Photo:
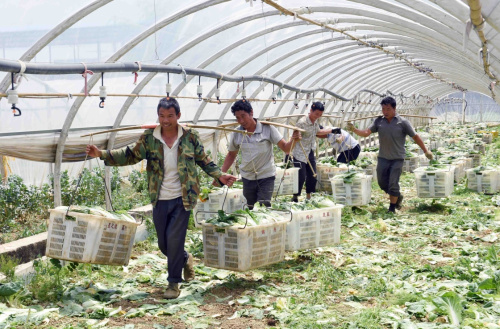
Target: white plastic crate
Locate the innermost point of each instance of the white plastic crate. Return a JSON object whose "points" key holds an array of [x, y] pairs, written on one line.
{"points": [[324, 174], [467, 162], [357, 193], [423, 161], [485, 181], [459, 172], [370, 155], [242, 249], [487, 138], [313, 228], [217, 201], [290, 184], [89, 238], [370, 170], [434, 183], [481, 148], [476, 160], [410, 164]]}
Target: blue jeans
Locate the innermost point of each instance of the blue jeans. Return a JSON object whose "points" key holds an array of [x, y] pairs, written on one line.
{"points": [[171, 222]]}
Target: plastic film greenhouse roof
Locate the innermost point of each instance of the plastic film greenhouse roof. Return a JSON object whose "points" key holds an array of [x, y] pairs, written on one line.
{"points": [[407, 48]]}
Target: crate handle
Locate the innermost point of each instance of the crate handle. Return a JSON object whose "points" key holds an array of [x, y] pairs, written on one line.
{"points": [[203, 212], [141, 214]]}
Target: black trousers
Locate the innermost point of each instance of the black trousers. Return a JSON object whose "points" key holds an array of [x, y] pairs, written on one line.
{"points": [[306, 174], [171, 222], [260, 190], [349, 155], [388, 174]]}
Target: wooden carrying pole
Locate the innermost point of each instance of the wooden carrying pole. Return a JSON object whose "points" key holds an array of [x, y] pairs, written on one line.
{"points": [[152, 126], [403, 115], [265, 123]]}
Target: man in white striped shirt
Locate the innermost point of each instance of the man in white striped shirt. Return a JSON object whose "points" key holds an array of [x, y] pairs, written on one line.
{"points": [[346, 147]]}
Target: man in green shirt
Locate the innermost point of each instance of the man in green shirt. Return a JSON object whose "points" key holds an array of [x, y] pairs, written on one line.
{"points": [[172, 153]]}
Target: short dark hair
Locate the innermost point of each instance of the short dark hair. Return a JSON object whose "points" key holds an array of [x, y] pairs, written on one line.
{"points": [[241, 105], [317, 106], [389, 101], [167, 103]]}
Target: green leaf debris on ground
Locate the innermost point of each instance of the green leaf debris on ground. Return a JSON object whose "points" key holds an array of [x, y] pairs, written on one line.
{"points": [[435, 264]]}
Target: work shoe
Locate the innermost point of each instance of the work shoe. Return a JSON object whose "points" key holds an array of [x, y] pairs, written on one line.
{"points": [[295, 199], [172, 291], [189, 269], [399, 202]]}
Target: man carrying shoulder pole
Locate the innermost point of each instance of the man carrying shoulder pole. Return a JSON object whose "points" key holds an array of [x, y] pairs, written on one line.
{"points": [[392, 131]]}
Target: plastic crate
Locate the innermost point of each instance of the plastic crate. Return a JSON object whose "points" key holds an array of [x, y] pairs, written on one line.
{"points": [[357, 193], [481, 148], [324, 174], [370, 155], [242, 249], [434, 184], [476, 160], [487, 138], [423, 161], [485, 181], [410, 164], [313, 228], [88, 238], [290, 184], [234, 200], [459, 172]]}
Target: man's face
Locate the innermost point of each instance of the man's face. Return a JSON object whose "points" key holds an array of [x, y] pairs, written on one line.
{"points": [[244, 118], [388, 111], [315, 115], [168, 118]]}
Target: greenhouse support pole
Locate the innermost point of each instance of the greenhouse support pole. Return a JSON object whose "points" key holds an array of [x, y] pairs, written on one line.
{"points": [[107, 186], [480, 108], [463, 108], [3, 169]]}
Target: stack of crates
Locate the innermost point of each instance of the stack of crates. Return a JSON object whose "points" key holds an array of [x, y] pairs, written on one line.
{"points": [[86, 238], [355, 193], [313, 228], [434, 182], [410, 164], [242, 249], [324, 173], [290, 184], [234, 200], [483, 180]]}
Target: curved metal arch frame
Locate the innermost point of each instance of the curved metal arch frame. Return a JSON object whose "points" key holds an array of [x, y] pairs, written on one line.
{"points": [[376, 58], [226, 109], [54, 33], [79, 101], [80, 104]]}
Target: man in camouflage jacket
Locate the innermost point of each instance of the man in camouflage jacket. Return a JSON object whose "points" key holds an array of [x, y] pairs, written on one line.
{"points": [[172, 153]]}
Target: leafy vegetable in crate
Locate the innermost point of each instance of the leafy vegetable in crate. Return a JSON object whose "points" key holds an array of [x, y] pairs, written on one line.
{"points": [[332, 161], [98, 211], [258, 216], [348, 177]]}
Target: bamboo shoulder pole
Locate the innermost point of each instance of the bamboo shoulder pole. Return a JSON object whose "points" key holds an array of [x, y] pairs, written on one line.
{"points": [[265, 123], [282, 125], [152, 126]]}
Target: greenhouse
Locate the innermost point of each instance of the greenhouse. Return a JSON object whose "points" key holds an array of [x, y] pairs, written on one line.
{"points": [[250, 164]]}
